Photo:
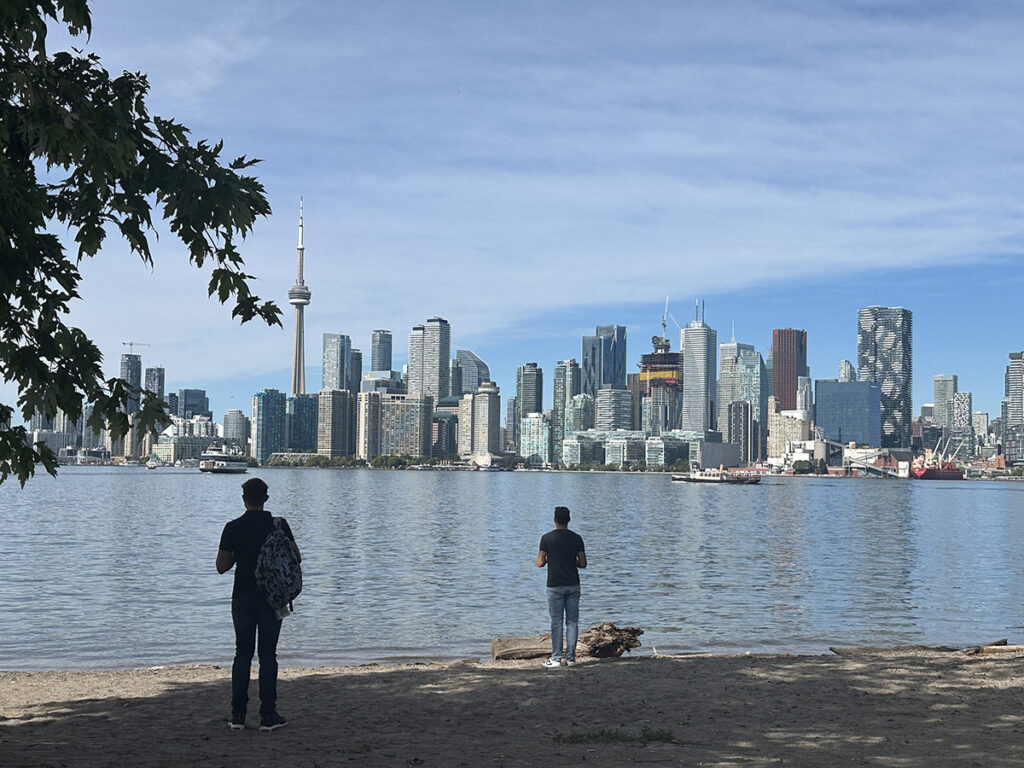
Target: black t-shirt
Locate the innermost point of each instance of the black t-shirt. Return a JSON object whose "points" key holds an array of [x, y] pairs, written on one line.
{"points": [[562, 546], [244, 536]]}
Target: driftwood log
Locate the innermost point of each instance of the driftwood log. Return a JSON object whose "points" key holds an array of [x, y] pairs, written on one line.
{"points": [[600, 641]]}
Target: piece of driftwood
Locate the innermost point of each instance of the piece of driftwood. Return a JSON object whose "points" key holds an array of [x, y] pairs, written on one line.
{"points": [[600, 641], [868, 650], [1001, 649]]}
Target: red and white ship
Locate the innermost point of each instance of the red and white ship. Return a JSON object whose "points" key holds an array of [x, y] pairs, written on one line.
{"points": [[935, 466]]}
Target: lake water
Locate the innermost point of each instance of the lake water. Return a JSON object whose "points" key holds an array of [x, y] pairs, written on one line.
{"points": [[114, 567]]}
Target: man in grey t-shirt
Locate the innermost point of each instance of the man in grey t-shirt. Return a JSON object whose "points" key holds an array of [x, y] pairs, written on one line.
{"points": [[561, 550]]}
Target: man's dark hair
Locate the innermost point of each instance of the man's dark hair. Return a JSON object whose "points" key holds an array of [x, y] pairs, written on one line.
{"points": [[562, 515], [254, 491]]}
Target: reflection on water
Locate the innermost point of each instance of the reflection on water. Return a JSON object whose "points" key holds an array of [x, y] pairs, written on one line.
{"points": [[114, 567]]}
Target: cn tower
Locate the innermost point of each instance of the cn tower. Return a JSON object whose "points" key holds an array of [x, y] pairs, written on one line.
{"points": [[298, 297]]}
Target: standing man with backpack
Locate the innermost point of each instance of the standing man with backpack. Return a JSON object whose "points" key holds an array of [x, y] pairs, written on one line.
{"points": [[253, 615], [561, 550]]}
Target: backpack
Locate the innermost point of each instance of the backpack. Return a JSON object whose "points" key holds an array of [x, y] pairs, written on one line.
{"points": [[278, 573]]}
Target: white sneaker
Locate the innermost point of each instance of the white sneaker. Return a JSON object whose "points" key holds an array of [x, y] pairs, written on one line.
{"points": [[570, 663], [552, 663]]}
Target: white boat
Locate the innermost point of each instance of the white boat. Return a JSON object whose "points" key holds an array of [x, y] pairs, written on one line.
{"points": [[222, 461], [719, 476]]}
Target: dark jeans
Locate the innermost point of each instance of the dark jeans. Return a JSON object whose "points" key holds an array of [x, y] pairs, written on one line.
{"points": [[252, 616]]}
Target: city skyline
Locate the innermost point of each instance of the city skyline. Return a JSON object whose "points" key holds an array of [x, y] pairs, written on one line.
{"points": [[763, 188]]}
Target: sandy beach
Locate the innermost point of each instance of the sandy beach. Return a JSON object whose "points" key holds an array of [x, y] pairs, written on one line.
{"points": [[884, 709]]}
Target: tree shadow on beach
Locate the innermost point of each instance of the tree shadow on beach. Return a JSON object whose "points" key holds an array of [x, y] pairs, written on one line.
{"points": [[905, 710]]}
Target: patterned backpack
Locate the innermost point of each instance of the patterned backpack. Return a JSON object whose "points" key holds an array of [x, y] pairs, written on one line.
{"points": [[278, 572]]}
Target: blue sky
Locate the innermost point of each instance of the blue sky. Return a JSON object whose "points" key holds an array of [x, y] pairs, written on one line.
{"points": [[529, 170]]}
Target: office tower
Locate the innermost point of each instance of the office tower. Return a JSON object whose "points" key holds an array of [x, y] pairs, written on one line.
{"points": [[368, 425], [579, 414], [849, 411], [603, 357], [335, 423], [405, 425], [789, 362], [474, 370], [172, 403], [337, 361], [454, 378], [236, 427], [443, 426], [155, 381], [1013, 415], [979, 420], [699, 345], [535, 440], [355, 370], [804, 397], [754, 385], [730, 380], [743, 430], [193, 402], [529, 394], [613, 408], [39, 421], [945, 385], [302, 423], [885, 355], [131, 372], [380, 350], [511, 435], [298, 297], [429, 352], [268, 420], [846, 371], [660, 381], [565, 386]]}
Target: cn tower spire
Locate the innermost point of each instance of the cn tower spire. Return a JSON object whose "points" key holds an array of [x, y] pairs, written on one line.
{"points": [[298, 297]]}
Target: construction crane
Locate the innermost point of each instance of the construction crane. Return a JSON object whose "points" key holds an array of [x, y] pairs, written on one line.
{"points": [[131, 344]]}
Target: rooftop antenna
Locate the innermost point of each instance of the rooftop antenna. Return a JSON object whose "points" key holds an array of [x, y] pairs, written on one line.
{"points": [[733, 331], [696, 309], [664, 325]]}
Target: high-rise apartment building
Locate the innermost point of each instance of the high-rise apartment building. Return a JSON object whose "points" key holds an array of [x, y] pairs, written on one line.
{"points": [[511, 417], [535, 440], [298, 297], [405, 425], [155, 381], [565, 386], [603, 358], [368, 425], [474, 370], [193, 402], [1013, 401], [945, 385], [337, 361], [335, 434], [131, 372], [529, 393], [455, 378], [613, 408], [487, 419], [268, 423], [236, 428], [429, 353], [380, 350], [355, 370], [885, 355], [699, 344], [789, 362], [846, 371], [301, 423], [579, 414]]}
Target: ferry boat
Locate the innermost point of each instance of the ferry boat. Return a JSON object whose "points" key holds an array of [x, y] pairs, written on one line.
{"points": [[719, 476], [222, 461]]}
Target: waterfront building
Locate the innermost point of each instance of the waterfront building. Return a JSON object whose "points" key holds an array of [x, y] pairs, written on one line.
{"points": [[131, 372], [613, 408], [535, 440], [355, 371], [405, 425], [268, 423], [335, 423], [155, 381], [298, 297], [660, 380], [380, 350], [385, 382], [368, 425], [583, 448], [474, 370], [603, 358], [193, 402], [625, 448], [784, 428], [846, 372], [443, 427], [789, 362], [529, 394], [566, 385], [337, 361], [730, 379], [699, 344], [579, 414], [454, 378], [849, 411], [945, 387], [1013, 402], [885, 347], [429, 353], [302, 423], [236, 428], [665, 450]]}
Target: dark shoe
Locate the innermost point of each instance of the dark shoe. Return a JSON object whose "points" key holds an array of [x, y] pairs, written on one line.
{"points": [[237, 721], [272, 722]]}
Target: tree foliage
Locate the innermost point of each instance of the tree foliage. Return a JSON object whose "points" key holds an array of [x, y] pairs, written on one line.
{"points": [[80, 152]]}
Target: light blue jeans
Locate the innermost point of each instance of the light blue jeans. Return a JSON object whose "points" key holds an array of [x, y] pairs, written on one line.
{"points": [[564, 603]]}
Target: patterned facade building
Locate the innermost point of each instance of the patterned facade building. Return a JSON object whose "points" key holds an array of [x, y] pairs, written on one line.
{"points": [[885, 355]]}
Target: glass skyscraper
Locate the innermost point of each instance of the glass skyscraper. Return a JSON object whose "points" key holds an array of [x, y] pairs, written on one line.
{"points": [[474, 370], [380, 350], [603, 357], [131, 372], [699, 344], [849, 411], [269, 407], [885, 355], [337, 361]]}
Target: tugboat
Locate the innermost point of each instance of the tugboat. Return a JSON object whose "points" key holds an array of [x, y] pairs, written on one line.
{"points": [[935, 466], [222, 461]]}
